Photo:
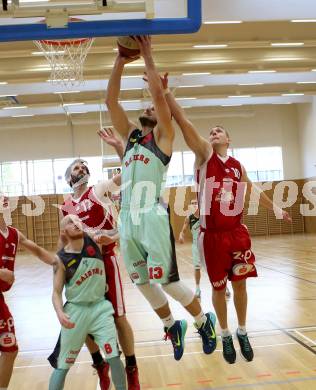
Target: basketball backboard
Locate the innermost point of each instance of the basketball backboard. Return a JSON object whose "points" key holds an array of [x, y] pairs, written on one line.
{"points": [[22, 20]]}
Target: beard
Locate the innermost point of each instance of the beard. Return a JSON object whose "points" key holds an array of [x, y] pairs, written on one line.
{"points": [[75, 235], [79, 179], [145, 121]]}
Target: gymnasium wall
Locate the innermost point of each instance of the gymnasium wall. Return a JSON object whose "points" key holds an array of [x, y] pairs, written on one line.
{"points": [[44, 226], [307, 137], [255, 126]]}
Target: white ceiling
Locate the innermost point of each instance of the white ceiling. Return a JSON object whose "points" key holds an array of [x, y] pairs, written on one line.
{"points": [[248, 49]]}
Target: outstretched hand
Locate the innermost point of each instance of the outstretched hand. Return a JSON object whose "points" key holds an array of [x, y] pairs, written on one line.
{"points": [[164, 79], [286, 216], [109, 136], [126, 60], [144, 43]]}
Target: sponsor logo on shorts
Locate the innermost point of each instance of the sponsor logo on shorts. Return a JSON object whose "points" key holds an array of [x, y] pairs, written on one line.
{"points": [[220, 283], [7, 340], [135, 276], [140, 263], [242, 269], [7, 323], [70, 360]]}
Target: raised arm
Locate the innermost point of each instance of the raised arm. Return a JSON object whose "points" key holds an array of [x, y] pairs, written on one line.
{"points": [[36, 250], [118, 115], [199, 145], [108, 136], [264, 200], [59, 282], [165, 130], [184, 229]]}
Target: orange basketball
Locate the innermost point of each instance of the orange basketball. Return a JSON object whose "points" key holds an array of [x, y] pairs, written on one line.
{"points": [[128, 46]]}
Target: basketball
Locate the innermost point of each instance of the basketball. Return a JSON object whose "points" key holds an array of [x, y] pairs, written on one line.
{"points": [[127, 46]]}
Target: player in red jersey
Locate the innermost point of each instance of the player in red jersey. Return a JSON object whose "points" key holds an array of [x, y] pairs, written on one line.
{"points": [[224, 242], [95, 210], [10, 239]]}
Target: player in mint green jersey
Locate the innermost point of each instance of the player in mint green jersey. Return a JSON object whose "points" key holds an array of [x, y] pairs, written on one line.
{"points": [[192, 221], [146, 237], [80, 270]]}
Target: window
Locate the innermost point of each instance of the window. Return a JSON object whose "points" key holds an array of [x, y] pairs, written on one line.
{"points": [[175, 171], [188, 168], [35, 177], [261, 164]]}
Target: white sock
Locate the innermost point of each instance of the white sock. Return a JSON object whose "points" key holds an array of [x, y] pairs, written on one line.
{"points": [[168, 321], [200, 319], [225, 332], [241, 330]]}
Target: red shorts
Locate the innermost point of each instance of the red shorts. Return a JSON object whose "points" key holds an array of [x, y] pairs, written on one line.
{"points": [[227, 255], [8, 341], [114, 282]]}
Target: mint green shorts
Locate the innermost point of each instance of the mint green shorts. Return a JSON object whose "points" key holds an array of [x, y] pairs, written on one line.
{"points": [[196, 260], [148, 246], [95, 319]]}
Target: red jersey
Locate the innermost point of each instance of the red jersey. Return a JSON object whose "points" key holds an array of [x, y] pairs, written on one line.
{"points": [[220, 193], [91, 212], [8, 248]]}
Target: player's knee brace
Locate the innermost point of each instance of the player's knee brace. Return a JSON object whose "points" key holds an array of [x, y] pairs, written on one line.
{"points": [[180, 292], [154, 295]]}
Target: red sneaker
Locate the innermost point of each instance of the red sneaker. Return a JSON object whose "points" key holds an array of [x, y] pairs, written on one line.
{"points": [[132, 378], [103, 373]]}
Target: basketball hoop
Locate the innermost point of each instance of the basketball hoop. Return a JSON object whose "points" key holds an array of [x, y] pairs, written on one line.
{"points": [[66, 58]]}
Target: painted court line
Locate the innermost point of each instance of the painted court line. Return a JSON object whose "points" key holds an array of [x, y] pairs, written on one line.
{"points": [[313, 343], [163, 355]]}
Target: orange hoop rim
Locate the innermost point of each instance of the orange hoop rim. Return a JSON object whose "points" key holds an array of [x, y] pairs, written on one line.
{"points": [[70, 42]]}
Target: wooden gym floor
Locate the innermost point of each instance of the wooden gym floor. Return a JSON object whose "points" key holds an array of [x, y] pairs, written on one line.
{"points": [[281, 325]]}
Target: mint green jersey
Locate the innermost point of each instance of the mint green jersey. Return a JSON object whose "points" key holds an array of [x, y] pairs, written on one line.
{"points": [[194, 227], [144, 170], [85, 273]]}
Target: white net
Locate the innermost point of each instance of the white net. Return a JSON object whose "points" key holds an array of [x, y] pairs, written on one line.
{"points": [[66, 59]]}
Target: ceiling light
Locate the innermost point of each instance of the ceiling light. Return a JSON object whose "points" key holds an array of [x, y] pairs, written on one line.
{"points": [[231, 105], [78, 112], [133, 65], [3, 83], [313, 70], [239, 96], [14, 107], [20, 116], [306, 82], [131, 89], [209, 46], [41, 53], [223, 22], [186, 98], [292, 94], [190, 86], [132, 77], [8, 95], [303, 21], [251, 84], [209, 62], [197, 74], [284, 59], [72, 104], [284, 44], [261, 71], [130, 101], [66, 92], [57, 80]]}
